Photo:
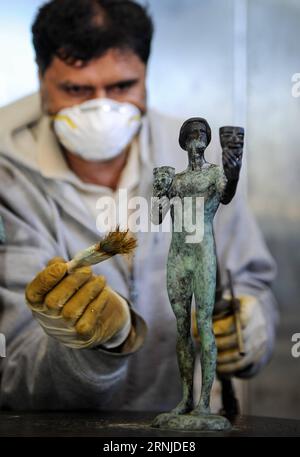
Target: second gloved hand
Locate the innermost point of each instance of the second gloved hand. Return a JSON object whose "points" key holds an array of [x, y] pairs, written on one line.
{"points": [[254, 331], [78, 309]]}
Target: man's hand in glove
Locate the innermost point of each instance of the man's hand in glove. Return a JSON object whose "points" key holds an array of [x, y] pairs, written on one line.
{"points": [[254, 331], [78, 309]]}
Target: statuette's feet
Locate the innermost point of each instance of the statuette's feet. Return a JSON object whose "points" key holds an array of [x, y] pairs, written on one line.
{"points": [[200, 410], [184, 407], [161, 420]]}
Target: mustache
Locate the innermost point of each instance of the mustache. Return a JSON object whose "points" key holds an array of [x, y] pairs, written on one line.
{"points": [[196, 143]]}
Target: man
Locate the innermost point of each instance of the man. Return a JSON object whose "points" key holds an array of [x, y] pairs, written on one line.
{"points": [[80, 342]]}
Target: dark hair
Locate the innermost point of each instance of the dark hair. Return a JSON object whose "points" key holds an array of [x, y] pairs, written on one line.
{"points": [[184, 130], [80, 30]]}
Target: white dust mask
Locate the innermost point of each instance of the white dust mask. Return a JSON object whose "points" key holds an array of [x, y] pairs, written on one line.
{"points": [[98, 129]]}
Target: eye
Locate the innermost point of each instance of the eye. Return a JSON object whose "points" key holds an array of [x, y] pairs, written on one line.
{"points": [[77, 91], [121, 87]]}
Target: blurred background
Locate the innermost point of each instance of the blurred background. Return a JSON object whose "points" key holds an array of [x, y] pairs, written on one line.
{"points": [[230, 61]]}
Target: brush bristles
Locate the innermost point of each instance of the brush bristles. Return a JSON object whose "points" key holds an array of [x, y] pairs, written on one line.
{"points": [[117, 242]]}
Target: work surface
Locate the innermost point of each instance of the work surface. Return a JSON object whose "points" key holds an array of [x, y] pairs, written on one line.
{"points": [[93, 424]]}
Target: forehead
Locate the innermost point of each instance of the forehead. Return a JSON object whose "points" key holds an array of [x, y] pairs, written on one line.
{"points": [[161, 170], [196, 125], [113, 66], [229, 129]]}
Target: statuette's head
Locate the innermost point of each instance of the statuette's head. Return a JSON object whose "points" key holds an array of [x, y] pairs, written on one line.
{"points": [[232, 137], [195, 134]]}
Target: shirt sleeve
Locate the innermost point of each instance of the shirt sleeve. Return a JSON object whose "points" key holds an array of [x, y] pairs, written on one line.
{"points": [[38, 371]]}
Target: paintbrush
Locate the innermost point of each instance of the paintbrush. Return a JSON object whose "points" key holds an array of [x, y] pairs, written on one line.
{"points": [[115, 242]]}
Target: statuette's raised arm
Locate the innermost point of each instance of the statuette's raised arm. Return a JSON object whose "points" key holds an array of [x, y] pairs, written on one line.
{"points": [[232, 142]]}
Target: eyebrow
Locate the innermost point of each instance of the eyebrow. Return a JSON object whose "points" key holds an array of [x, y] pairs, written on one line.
{"points": [[74, 84], [122, 82]]}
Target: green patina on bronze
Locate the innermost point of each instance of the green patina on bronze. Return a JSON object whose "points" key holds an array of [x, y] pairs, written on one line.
{"points": [[191, 270]]}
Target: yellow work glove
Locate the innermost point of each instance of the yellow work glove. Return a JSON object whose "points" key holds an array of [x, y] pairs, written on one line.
{"points": [[78, 309], [254, 331]]}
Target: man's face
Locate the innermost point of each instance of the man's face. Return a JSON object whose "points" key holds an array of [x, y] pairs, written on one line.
{"points": [[197, 132], [232, 137], [119, 75]]}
